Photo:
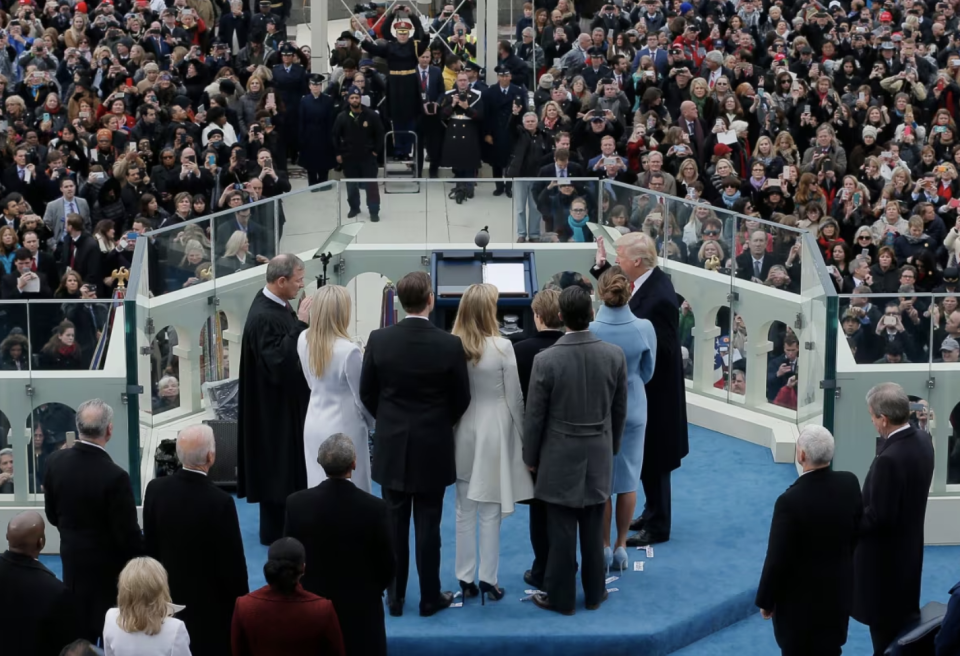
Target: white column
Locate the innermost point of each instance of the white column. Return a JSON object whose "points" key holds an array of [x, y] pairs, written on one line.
{"points": [[318, 36], [490, 17], [189, 363]]}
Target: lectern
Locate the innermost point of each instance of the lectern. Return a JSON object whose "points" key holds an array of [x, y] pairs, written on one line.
{"points": [[513, 272]]}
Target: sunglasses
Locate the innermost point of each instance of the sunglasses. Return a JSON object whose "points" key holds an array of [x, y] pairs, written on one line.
{"points": [[711, 233], [578, 209], [864, 237]]}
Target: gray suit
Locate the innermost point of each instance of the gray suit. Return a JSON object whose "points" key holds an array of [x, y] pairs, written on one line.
{"points": [[575, 415], [56, 213]]}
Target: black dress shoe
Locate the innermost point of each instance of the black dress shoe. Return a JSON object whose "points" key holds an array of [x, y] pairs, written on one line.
{"points": [[529, 580], [374, 216], [395, 607], [498, 191], [644, 538], [637, 523], [596, 606], [540, 600], [353, 213], [443, 601], [509, 192]]}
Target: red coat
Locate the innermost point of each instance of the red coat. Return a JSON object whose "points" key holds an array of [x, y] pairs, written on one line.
{"points": [[267, 623]]}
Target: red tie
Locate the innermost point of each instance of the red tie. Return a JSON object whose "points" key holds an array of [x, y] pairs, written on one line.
{"points": [[633, 286], [33, 264]]}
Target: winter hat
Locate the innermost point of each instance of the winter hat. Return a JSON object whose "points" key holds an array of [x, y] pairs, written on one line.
{"points": [[870, 131]]}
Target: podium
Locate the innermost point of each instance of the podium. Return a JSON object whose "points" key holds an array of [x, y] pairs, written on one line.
{"points": [[514, 272]]}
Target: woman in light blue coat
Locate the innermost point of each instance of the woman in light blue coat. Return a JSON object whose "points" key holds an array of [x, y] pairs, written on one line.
{"points": [[616, 324]]}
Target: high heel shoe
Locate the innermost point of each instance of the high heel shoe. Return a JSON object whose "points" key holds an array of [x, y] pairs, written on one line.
{"points": [[607, 559], [496, 594], [469, 589], [620, 559]]}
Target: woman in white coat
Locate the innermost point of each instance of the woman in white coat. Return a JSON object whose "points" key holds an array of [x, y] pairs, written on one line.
{"points": [[143, 622], [491, 476], [331, 365]]}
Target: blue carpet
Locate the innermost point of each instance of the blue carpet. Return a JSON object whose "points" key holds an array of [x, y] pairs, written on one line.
{"points": [[941, 571], [700, 582]]}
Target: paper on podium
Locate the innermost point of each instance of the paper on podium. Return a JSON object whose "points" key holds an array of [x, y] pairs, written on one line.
{"points": [[507, 277], [33, 285]]}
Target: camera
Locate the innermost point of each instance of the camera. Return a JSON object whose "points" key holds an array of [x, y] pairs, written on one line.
{"points": [[462, 96]]}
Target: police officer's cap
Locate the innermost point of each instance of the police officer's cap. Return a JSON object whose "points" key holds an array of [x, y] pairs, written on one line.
{"points": [[287, 49], [315, 78], [501, 70]]}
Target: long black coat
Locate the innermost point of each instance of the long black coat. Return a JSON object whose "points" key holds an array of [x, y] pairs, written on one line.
{"points": [[403, 87], [316, 123], [414, 381], [89, 499], [273, 405], [889, 557], [497, 110], [667, 442], [464, 133], [37, 613], [527, 349], [808, 574], [346, 534], [290, 87], [181, 512]]}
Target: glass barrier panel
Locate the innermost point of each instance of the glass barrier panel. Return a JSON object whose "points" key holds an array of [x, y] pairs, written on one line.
{"points": [[17, 467]]}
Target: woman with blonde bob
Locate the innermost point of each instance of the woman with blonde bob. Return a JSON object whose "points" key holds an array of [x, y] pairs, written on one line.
{"points": [[331, 364], [143, 622], [491, 476]]}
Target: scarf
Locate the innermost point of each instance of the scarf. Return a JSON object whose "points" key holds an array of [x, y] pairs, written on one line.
{"points": [[67, 351], [699, 102], [578, 228], [730, 200], [757, 184]]}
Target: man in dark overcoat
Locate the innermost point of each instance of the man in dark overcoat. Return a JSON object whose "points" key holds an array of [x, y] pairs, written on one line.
{"points": [[498, 102], [317, 113], [186, 510], [273, 398], [290, 82], [569, 443], [655, 299], [462, 110]]}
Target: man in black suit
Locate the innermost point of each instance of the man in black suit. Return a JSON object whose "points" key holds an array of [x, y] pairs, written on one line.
{"points": [[19, 285], [780, 369], [888, 561], [88, 497], [26, 178], [546, 318], [37, 615], [430, 128], [807, 578], [80, 252], [414, 381], [43, 262], [755, 262], [667, 442], [346, 535], [186, 510], [691, 123]]}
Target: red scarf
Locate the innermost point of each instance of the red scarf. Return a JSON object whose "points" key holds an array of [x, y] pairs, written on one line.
{"points": [[67, 351]]}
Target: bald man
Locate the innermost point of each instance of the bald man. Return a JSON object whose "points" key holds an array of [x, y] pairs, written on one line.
{"points": [[37, 615], [186, 511]]}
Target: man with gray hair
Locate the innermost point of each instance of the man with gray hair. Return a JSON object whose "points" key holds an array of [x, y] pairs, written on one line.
{"points": [[186, 510], [274, 396], [889, 559], [6, 471], [346, 535], [89, 499], [807, 578]]}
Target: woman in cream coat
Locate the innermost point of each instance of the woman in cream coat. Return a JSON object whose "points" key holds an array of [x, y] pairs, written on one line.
{"points": [[331, 365], [491, 476]]}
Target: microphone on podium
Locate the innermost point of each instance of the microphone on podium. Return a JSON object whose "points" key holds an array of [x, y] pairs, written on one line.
{"points": [[481, 240]]}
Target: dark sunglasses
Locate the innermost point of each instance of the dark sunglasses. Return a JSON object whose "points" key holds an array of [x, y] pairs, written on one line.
{"points": [[864, 237], [711, 233]]}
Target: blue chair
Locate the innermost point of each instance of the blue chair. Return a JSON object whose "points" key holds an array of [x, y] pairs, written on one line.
{"points": [[917, 639]]}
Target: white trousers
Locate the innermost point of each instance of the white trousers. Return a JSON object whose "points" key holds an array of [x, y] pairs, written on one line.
{"points": [[467, 514]]}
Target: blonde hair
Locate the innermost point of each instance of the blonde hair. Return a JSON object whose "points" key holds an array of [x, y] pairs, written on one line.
{"points": [[639, 246], [143, 596], [477, 319], [235, 243], [329, 319]]}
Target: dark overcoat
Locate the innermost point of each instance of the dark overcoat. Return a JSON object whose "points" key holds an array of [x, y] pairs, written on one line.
{"points": [[316, 123]]}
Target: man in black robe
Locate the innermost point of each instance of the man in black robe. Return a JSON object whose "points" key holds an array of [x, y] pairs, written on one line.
{"points": [[273, 397]]}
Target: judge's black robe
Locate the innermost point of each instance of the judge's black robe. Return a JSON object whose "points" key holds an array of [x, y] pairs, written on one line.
{"points": [[273, 405]]}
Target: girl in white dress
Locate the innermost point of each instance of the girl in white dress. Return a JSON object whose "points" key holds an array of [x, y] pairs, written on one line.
{"points": [[331, 365], [491, 476]]}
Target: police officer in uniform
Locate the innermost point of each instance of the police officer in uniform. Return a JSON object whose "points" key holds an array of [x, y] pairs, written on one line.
{"points": [[498, 102], [463, 112], [404, 104], [317, 113], [357, 137], [290, 81]]}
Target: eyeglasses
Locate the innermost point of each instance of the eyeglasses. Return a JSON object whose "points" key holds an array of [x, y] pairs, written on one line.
{"points": [[578, 210], [711, 233]]}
